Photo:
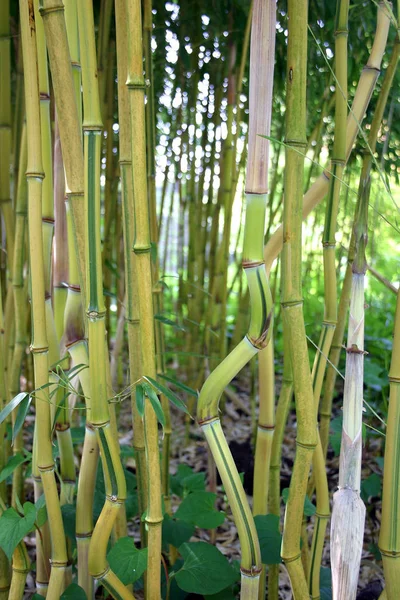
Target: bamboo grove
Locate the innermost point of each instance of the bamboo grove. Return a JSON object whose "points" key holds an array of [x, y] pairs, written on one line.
{"points": [[199, 198]]}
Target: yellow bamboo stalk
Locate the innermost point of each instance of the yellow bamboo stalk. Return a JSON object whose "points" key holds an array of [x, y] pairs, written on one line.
{"points": [[39, 346]]}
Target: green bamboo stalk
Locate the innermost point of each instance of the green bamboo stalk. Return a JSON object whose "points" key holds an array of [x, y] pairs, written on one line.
{"points": [[132, 292], [292, 302], [20, 306], [39, 346], [141, 248], [330, 285], [261, 76], [365, 87], [100, 414], [60, 247]]}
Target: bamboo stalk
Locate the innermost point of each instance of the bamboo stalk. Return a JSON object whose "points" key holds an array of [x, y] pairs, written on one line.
{"points": [[39, 346], [100, 414], [261, 61], [141, 248], [128, 211], [292, 302]]}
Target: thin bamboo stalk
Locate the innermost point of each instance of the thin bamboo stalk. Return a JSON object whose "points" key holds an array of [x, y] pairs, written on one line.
{"points": [[141, 248], [128, 211], [39, 346], [292, 302], [100, 414]]}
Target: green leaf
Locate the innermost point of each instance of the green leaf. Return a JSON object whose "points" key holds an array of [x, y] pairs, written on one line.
{"points": [[12, 463], [374, 549], [139, 393], [155, 402], [198, 508], [74, 592], [371, 487], [127, 562], [270, 538], [185, 481], [180, 385], [309, 507], [226, 594], [205, 569], [176, 531], [11, 405], [168, 394], [13, 527], [170, 322], [23, 409]]}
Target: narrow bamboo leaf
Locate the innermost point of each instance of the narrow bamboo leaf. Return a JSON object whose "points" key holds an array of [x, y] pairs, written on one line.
{"points": [[167, 321], [168, 394], [205, 569], [180, 385], [176, 532], [11, 405], [12, 464], [155, 402], [74, 592], [13, 527], [23, 409], [140, 399], [198, 508], [270, 538], [128, 562]]}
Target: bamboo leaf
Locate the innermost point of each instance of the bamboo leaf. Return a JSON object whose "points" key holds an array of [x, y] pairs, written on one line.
{"points": [[13, 462], [23, 409], [168, 394], [205, 569], [139, 393], [180, 385], [155, 402], [128, 562], [12, 405], [167, 321]]}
